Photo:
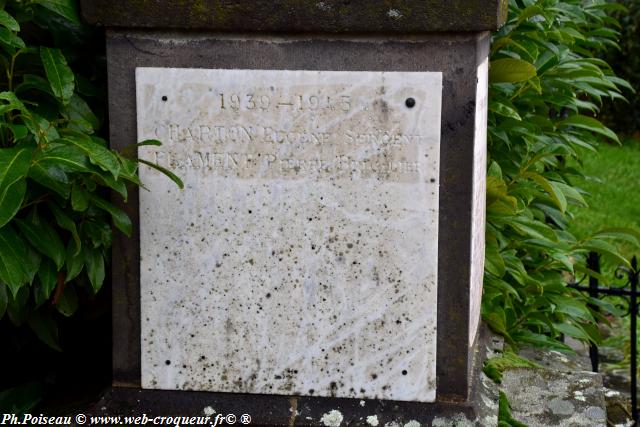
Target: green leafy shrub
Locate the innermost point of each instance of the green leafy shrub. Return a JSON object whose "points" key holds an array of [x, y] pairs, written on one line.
{"points": [[622, 116], [546, 89], [56, 174]]}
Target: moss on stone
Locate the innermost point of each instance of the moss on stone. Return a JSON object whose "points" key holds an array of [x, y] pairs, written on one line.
{"points": [[408, 16]]}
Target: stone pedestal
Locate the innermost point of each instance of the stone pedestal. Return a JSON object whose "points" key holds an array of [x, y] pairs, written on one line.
{"points": [[331, 231]]}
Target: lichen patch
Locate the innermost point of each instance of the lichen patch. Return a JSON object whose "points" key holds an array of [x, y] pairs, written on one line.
{"points": [[332, 418]]}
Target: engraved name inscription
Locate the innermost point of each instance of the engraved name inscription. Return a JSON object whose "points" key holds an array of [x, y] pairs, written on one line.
{"points": [[299, 131], [225, 161], [212, 133]]}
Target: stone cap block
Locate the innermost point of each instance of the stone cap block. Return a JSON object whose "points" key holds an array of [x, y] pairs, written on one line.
{"points": [[332, 16]]}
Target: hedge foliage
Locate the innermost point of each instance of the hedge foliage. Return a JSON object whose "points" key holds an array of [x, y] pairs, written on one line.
{"points": [[622, 116], [56, 173], [547, 88]]}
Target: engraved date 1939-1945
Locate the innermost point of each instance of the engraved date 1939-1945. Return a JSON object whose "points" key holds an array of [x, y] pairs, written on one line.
{"points": [[297, 102]]}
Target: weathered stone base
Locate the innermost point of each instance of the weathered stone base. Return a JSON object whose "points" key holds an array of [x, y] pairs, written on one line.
{"points": [[266, 410], [561, 393], [271, 410]]}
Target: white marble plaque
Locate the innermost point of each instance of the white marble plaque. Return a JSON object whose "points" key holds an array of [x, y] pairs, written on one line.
{"points": [[301, 256]]}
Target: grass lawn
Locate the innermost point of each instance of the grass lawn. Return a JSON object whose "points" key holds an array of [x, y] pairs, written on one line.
{"points": [[614, 186]]}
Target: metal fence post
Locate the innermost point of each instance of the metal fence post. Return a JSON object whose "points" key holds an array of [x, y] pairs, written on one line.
{"points": [[631, 292], [633, 311], [593, 263]]}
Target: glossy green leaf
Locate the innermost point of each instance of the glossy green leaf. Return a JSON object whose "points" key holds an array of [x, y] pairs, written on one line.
{"points": [[66, 158], [34, 259], [14, 165], [592, 330], [44, 238], [17, 309], [11, 102], [118, 185], [43, 130], [52, 177], [47, 280], [129, 169], [572, 331], [571, 193], [496, 319], [65, 8], [149, 142], [540, 340], [68, 302], [530, 227], [604, 248], [571, 306], [584, 270], [530, 12], [165, 171], [34, 82], [99, 232], [98, 155], [493, 261], [65, 222], [552, 188], [11, 39], [11, 199], [100, 141], [45, 328], [74, 261], [606, 307], [510, 70], [504, 110], [120, 218], [503, 287], [620, 83], [563, 258], [13, 259], [94, 263], [630, 235], [58, 73], [78, 111], [497, 191], [590, 124], [8, 21], [80, 198], [19, 131]]}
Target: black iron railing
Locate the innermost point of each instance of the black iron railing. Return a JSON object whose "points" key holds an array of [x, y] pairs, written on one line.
{"points": [[628, 291]]}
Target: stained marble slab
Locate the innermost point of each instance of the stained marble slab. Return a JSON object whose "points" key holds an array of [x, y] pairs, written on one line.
{"points": [[301, 256]]}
